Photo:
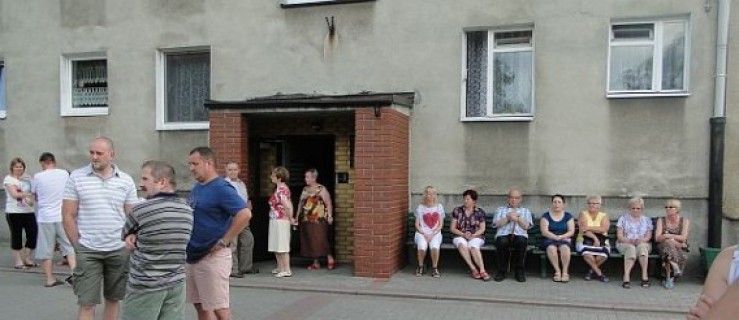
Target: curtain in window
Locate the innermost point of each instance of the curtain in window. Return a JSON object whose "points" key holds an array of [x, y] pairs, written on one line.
{"points": [[89, 84], [512, 80], [188, 86], [631, 67], [673, 54], [2, 91], [477, 70]]}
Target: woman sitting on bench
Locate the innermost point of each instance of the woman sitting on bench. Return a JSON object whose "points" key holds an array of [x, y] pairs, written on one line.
{"points": [[468, 225], [557, 228], [634, 234], [429, 221]]}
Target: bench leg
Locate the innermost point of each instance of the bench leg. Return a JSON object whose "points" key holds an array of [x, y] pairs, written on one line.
{"points": [[543, 259]]}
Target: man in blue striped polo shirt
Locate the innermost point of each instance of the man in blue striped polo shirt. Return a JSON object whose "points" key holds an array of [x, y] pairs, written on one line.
{"points": [[97, 198], [157, 232]]}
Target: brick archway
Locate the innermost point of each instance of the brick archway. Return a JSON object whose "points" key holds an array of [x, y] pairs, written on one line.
{"points": [[381, 158]]}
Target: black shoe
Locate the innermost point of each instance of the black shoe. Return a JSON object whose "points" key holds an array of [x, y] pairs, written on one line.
{"points": [[520, 277], [251, 271], [500, 276], [236, 275]]}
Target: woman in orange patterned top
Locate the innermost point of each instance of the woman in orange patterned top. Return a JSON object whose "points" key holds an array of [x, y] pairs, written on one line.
{"points": [[315, 215], [280, 219]]}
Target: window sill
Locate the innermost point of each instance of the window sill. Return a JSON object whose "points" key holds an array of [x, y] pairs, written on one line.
{"points": [[499, 119], [84, 112], [623, 95], [183, 126], [303, 3]]}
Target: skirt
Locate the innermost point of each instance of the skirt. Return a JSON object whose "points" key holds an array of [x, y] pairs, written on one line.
{"points": [[279, 236], [314, 239]]}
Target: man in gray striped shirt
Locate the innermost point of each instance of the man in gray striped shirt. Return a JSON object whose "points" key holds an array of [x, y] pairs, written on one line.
{"points": [[157, 232], [97, 198]]}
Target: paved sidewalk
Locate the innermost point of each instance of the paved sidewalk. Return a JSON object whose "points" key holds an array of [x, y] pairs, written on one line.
{"points": [[456, 285]]}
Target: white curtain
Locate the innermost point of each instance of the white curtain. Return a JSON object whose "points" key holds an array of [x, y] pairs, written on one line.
{"points": [[631, 68], [512, 81], [673, 55], [188, 86], [2, 91]]}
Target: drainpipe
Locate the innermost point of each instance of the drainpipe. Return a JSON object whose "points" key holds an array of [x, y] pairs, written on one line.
{"points": [[718, 124]]}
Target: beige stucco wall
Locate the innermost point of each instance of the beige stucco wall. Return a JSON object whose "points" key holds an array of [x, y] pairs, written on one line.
{"points": [[579, 142]]}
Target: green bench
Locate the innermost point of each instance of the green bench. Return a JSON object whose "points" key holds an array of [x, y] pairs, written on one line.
{"points": [[447, 236], [535, 240]]}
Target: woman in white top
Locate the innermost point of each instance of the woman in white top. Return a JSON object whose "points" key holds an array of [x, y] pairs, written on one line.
{"points": [[19, 213], [721, 289], [429, 221]]}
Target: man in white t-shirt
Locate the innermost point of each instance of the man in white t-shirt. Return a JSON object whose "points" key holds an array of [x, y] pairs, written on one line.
{"points": [[48, 187]]}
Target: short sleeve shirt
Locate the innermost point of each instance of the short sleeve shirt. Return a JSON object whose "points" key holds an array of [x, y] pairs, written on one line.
{"points": [[558, 227], [276, 209], [12, 205], [100, 201], [469, 223], [429, 217], [635, 229]]}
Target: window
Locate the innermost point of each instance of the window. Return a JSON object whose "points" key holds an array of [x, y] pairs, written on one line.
{"points": [[291, 3], [499, 75], [183, 85], [84, 84], [648, 59], [2, 90]]}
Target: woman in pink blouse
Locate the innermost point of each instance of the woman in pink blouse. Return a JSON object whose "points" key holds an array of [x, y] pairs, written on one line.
{"points": [[280, 219]]}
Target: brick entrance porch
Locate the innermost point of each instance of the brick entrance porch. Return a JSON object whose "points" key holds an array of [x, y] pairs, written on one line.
{"points": [[371, 208]]}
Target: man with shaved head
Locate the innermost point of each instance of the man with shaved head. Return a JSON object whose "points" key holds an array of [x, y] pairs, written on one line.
{"points": [[97, 198]]}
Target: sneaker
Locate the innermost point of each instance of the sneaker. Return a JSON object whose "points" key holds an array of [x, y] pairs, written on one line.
{"points": [[589, 275], [604, 279]]}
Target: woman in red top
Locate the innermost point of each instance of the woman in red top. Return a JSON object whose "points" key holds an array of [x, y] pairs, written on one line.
{"points": [[280, 219]]}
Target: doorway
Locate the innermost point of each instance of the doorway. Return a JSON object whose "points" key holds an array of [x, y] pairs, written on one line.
{"points": [[296, 153]]}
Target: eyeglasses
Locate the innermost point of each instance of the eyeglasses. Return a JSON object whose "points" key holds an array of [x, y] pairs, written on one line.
{"points": [[635, 208], [670, 207]]}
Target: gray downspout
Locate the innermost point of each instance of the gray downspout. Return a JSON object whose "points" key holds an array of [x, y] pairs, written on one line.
{"points": [[718, 124]]}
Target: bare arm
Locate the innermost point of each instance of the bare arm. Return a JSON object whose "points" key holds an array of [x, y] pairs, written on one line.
{"points": [[329, 205], [659, 237], [12, 190], [240, 221], [714, 288], [683, 237], [454, 230], [69, 220], [544, 225], [480, 230], [570, 229], [620, 236]]}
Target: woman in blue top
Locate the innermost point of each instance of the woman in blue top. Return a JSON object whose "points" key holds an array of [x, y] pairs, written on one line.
{"points": [[557, 228]]}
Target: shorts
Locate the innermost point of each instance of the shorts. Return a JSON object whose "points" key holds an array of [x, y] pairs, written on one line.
{"points": [[422, 245], [472, 243], [49, 234], [94, 267], [165, 304], [207, 280], [629, 251], [279, 236]]}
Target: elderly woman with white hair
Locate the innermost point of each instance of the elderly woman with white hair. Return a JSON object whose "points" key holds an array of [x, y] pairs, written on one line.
{"points": [[634, 235], [671, 235]]}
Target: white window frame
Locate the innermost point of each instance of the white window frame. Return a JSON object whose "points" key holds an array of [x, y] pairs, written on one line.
{"points": [[66, 108], [656, 58], [490, 116], [161, 90], [3, 80], [289, 3]]}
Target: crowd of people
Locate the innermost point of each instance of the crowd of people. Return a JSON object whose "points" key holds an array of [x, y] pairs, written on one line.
{"points": [[154, 254], [558, 238], [158, 253]]}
